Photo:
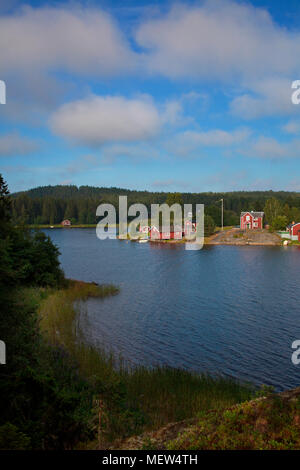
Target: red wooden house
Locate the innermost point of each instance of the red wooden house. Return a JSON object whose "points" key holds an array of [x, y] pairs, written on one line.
{"points": [[166, 233], [251, 220], [189, 227], [66, 223], [144, 228], [294, 230]]}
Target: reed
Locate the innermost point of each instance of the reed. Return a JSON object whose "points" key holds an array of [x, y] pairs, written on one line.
{"points": [[169, 394], [137, 398], [58, 313]]}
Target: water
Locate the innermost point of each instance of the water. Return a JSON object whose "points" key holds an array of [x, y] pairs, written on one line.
{"points": [[223, 309]]}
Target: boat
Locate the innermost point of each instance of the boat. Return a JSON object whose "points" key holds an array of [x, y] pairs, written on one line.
{"points": [[143, 240]]}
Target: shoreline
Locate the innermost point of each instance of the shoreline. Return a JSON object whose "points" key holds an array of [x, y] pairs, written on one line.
{"points": [[58, 320], [208, 241]]}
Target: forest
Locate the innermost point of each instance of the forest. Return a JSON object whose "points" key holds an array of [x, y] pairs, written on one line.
{"points": [[52, 204]]}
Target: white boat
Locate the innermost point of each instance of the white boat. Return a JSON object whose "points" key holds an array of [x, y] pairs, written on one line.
{"points": [[143, 240]]}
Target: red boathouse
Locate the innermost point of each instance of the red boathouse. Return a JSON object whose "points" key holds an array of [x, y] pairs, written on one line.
{"points": [[166, 233]]}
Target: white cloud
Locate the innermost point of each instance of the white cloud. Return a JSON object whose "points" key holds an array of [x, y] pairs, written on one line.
{"points": [[186, 143], [216, 137], [81, 164], [219, 39], [292, 127], [80, 40], [15, 144], [269, 97], [173, 112], [45, 50], [232, 43], [97, 120], [137, 152]]}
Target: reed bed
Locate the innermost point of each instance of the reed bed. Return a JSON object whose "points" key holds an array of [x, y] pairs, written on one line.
{"points": [[133, 399]]}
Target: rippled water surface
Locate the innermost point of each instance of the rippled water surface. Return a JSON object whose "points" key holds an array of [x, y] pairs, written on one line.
{"points": [[223, 309]]}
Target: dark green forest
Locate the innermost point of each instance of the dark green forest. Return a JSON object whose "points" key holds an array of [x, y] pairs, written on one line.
{"points": [[39, 388], [52, 204]]}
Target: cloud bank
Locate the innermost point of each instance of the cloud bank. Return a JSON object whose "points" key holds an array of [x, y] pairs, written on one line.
{"points": [[15, 144], [97, 120], [220, 39], [80, 40]]}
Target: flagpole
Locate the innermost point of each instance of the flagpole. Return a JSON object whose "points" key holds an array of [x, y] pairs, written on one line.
{"points": [[222, 214]]}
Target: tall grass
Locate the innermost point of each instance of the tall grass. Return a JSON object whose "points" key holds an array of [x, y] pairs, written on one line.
{"points": [[169, 394], [58, 315], [133, 399]]}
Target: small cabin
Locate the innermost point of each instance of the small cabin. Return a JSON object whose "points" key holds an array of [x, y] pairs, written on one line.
{"points": [[66, 223], [166, 233], [144, 228], [251, 220], [189, 227], [154, 233]]}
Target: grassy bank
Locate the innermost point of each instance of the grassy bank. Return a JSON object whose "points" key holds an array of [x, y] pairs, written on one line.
{"points": [[129, 400], [271, 423]]}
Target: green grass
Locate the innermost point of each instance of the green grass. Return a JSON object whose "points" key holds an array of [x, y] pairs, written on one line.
{"points": [[238, 235], [58, 314], [268, 424], [226, 227], [169, 395], [291, 242]]}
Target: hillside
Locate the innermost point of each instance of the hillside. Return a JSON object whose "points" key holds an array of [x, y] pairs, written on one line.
{"points": [[52, 204]]}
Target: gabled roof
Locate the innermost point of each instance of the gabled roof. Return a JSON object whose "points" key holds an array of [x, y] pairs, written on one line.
{"points": [[171, 228]]}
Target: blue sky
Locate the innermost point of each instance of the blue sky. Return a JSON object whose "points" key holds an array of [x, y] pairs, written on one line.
{"points": [[157, 95]]}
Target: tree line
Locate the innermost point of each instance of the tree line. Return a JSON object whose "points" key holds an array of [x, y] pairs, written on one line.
{"points": [[51, 204]]}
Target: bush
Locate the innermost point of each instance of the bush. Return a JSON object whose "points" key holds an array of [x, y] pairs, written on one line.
{"points": [[13, 439], [279, 222], [209, 225]]}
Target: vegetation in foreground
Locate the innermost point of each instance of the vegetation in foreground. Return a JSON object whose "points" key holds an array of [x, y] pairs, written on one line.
{"points": [[129, 400], [61, 385], [270, 423], [56, 391]]}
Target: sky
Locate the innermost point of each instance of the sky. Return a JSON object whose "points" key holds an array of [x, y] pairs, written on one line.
{"points": [[186, 96]]}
